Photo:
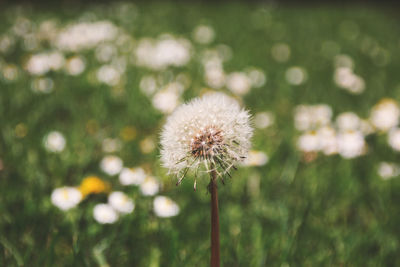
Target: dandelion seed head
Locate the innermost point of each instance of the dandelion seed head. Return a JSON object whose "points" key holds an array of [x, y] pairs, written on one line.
{"points": [[209, 131]]}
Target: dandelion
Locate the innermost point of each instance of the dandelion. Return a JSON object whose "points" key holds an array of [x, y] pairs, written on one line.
{"points": [[105, 214], [121, 202], [164, 207], [66, 198], [213, 132], [93, 185]]}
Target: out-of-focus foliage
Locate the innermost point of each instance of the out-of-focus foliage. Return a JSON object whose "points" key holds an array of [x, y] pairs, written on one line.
{"points": [[85, 91]]}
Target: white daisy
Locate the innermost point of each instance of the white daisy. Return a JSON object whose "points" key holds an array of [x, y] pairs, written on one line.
{"points": [[54, 142], [121, 202], [105, 214], [111, 165], [387, 170], [150, 186], [165, 207], [133, 176], [66, 197], [385, 114]]}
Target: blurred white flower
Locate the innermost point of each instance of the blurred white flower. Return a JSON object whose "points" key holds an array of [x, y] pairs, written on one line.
{"points": [[256, 158], [351, 144], [132, 176], [394, 138], [105, 214], [203, 34], [385, 115], [150, 186], [110, 145], [238, 83], [308, 142], [111, 165], [121, 202], [327, 140], [85, 35], [148, 85], [387, 170], [345, 78], [263, 120], [7, 41], [42, 63], [348, 121], [280, 52], [105, 52], [344, 61], [310, 117], [109, 75], [147, 145], [164, 207], [256, 77], [214, 77], [296, 75], [167, 99], [42, 85], [66, 197], [54, 142], [10, 72], [75, 65], [159, 54]]}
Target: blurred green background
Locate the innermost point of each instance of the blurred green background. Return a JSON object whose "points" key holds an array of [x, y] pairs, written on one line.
{"points": [[296, 210]]}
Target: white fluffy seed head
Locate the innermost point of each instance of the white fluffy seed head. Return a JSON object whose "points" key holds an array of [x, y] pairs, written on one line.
{"points": [[211, 131]]}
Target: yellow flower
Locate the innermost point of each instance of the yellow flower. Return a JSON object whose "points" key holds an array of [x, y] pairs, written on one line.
{"points": [[93, 185]]}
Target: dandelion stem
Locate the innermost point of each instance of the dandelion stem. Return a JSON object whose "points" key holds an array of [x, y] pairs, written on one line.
{"points": [[215, 259]]}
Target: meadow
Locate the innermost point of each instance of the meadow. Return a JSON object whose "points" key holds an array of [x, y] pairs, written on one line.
{"points": [[85, 91]]}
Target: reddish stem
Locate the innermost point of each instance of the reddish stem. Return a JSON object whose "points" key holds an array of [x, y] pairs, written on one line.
{"points": [[215, 259]]}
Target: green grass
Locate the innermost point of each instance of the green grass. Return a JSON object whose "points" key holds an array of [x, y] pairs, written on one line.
{"points": [[329, 212]]}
